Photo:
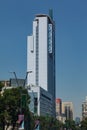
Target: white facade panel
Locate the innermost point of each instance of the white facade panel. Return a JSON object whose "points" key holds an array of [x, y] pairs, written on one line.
{"points": [[31, 43], [43, 52], [30, 59]]}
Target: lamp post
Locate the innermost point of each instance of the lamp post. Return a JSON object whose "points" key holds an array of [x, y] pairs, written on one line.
{"points": [[24, 97], [26, 77], [14, 73]]}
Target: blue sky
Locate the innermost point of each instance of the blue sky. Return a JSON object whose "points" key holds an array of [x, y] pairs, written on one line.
{"points": [[70, 16]]}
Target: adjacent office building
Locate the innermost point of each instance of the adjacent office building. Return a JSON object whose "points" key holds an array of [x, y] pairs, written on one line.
{"points": [[64, 110], [84, 109], [41, 54], [59, 115], [67, 109], [58, 107], [41, 102]]}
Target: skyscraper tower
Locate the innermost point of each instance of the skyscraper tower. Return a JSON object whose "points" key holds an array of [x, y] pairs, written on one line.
{"points": [[41, 53]]}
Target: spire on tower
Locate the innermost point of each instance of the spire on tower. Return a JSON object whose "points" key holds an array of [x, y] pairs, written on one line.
{"points": [[51, 13]]}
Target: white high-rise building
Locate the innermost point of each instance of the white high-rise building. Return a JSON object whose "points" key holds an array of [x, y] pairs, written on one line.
{"points": [[41, 54]]}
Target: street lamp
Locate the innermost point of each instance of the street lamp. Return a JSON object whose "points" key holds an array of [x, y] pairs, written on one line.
{"points": [[26, 77], [15, 77], [23, 98]]}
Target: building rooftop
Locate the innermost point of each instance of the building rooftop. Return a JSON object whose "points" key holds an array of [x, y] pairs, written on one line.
{"points": [[45, 15]]}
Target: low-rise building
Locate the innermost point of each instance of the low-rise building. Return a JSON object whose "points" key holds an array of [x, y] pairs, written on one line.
{"points": [[41, 101]]}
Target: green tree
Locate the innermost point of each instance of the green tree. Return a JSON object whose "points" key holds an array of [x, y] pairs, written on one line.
{"points": [[10, 106], [70, 124], [2, 107], [84, 124], [1, 86], [48, 123]]}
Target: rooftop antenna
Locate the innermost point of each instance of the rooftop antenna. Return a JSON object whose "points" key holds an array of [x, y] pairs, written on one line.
{"points": [[51, 13]]}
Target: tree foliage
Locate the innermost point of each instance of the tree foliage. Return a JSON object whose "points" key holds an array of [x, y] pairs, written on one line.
{"points": [[1, 85], [47, 123], [10, 106], [84, 124], [70, 124]]}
